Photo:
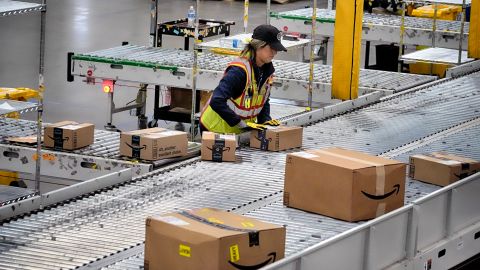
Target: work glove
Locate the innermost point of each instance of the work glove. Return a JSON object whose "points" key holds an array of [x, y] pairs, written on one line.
{"points": [[273, 122], [256, 126]]}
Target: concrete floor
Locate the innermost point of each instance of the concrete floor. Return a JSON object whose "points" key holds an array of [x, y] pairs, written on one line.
{"points": [[88, 25]]}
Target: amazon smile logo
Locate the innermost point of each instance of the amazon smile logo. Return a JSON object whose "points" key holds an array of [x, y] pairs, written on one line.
{"points": [[396, 189], [137, 147], [271, 258]]}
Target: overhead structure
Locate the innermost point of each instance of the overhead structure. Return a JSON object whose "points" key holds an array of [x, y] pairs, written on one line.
{"points": [[347, 49]]}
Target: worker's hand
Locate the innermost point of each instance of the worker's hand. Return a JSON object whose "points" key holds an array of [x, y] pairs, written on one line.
{"points": [[273, 122], [256, 126]]}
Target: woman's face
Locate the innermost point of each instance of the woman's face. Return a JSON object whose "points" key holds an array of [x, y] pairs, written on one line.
{"points": [[265, 54]]}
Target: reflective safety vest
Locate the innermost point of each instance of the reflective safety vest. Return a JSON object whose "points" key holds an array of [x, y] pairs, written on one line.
{"points": [[247, 106]]}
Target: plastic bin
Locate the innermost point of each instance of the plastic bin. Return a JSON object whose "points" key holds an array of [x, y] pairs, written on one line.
{"points": [[444, 12]]}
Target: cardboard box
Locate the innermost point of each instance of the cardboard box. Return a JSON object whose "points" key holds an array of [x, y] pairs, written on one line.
{"points": [[441, 168], [277, 138], [218, 147], [211, 239], [343, 184], [153, 143], [68, 135]]}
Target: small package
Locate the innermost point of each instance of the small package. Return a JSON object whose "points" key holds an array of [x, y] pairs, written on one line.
{"points": [[68, 135], [441, 168], [211, 239], [218, 147], [276, 138], [343, 184], [153, 143]]}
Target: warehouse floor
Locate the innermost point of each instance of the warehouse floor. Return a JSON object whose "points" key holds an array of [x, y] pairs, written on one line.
{"points": [[89, 25]]}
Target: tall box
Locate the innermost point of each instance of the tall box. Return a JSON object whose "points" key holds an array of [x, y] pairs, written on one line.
{"points": [[218, 147], [343, 184], [68, 135], [276, 138], [441, 168], [153, 143], [211, 239]]}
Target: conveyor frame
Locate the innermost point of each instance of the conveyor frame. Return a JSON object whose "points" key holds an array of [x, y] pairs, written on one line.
{"points": [[382, 28], [440, 230]]}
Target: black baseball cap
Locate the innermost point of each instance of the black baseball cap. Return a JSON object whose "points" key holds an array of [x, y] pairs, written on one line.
{"points": [[271, 35]]}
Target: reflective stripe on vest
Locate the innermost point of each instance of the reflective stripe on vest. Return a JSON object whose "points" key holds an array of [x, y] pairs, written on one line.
{"points": [[247, 106]]}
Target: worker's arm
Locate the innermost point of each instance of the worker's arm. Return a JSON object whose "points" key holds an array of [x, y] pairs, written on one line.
{"points": [[231, 86]]}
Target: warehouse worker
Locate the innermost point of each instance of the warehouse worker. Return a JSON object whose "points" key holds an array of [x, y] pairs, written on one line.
{"points": [[241, 99]]}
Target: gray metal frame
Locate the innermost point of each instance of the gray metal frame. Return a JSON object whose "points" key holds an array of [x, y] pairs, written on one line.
{"points": [[63, 194], [406, 238]]}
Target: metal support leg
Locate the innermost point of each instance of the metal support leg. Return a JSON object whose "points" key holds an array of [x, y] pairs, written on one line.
{"points": [[111, 108], [367, 54]]}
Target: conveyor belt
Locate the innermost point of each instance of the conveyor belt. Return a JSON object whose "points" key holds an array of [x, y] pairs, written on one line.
{"points": [[147, 63], [328, 16], [106, 143], [377, 27], [95, 226]]}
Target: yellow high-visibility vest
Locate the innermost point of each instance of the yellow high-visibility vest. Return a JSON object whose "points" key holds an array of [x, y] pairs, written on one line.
{"points": [[247, 106]]}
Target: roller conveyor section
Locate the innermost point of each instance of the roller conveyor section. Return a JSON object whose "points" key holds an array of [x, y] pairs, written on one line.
{"points": [[104, 152], [95, 226], [10, 8], [400, 120], [173, 68], [377, 27]]}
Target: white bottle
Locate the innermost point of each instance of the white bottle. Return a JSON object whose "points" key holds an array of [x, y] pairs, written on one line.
{"points": [[191, 16]]}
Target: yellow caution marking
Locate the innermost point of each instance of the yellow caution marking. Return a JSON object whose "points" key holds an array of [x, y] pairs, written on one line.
{"points": [[248, 224], [184, 251], [215, 220], [234, 253]]}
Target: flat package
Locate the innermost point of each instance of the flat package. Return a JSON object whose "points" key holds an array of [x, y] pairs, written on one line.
{"points": [[218, 147], [211, 239], [153, 143], [343, 184], [277, 138], [68, 135], [441, 168]]}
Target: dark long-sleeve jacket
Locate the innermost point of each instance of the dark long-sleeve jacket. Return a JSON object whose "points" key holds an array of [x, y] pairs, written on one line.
{"points": [[232, 86]]}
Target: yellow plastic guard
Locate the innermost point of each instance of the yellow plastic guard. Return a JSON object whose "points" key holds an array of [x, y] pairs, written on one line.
{"points": [[474, 35], [346, 49], [444, 12], [7, 177], [21, 94]]}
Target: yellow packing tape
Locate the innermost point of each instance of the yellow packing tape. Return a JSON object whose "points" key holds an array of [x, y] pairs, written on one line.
{"points": [[474, 35], [347, 49]]}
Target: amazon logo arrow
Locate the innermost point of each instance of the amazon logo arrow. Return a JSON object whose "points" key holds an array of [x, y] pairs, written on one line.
{"points": [[59, 139], [137, 147], [396, 189], [272, 256], [224, 149]]}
